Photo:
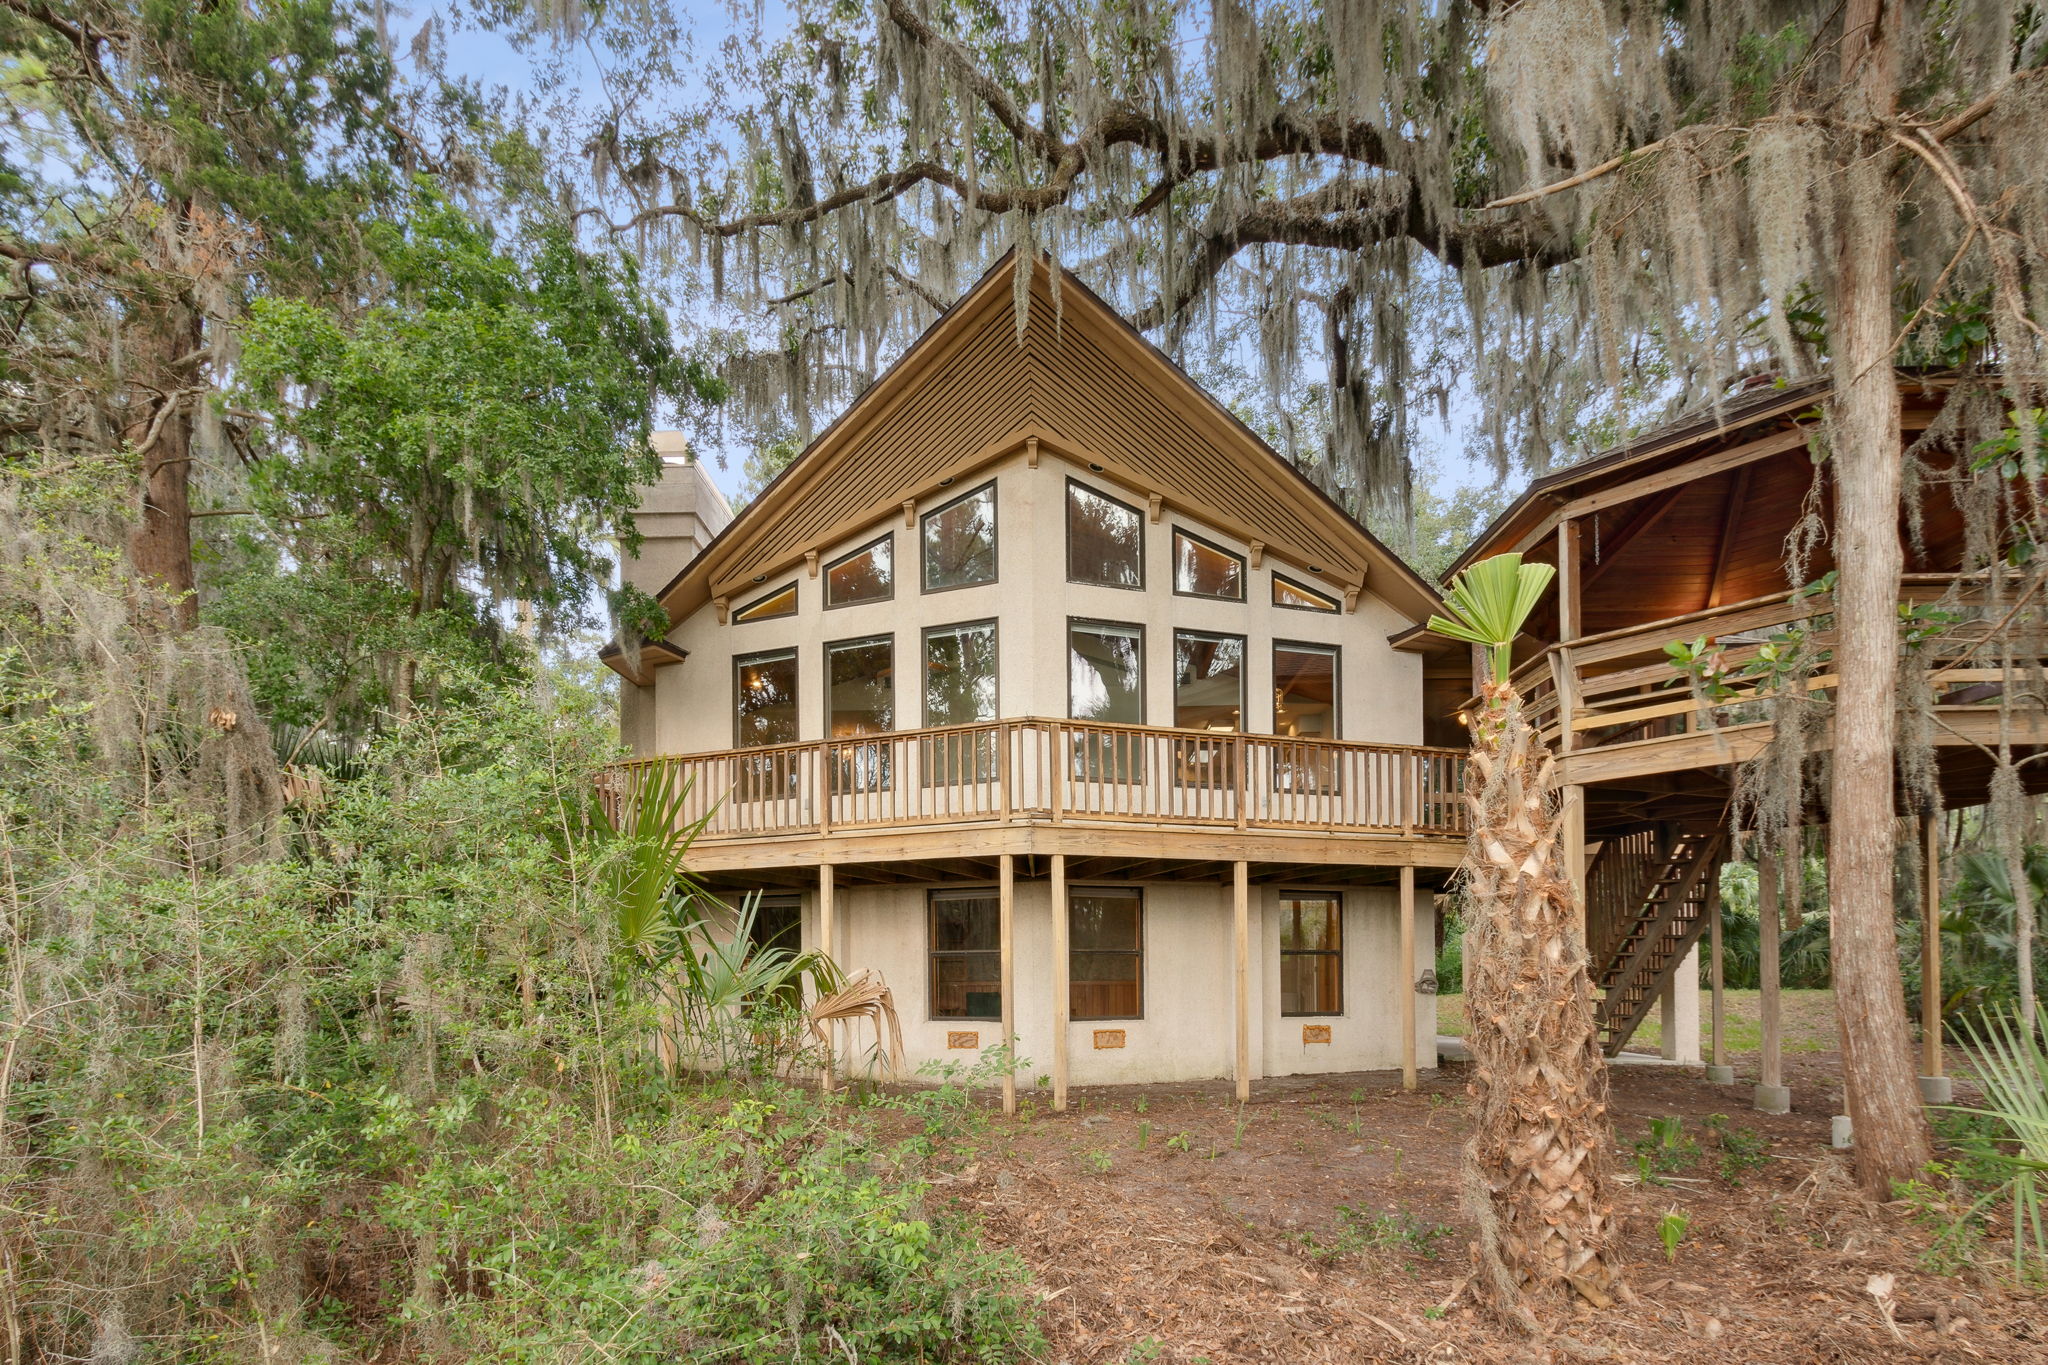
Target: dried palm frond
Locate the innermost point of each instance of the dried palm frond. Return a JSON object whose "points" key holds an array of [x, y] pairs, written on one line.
{"points": [[863, 996]]}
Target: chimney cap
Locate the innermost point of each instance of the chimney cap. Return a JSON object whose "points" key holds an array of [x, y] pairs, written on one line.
{"points": [[672, 446]]}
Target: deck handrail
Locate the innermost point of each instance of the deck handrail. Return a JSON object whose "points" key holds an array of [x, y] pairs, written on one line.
{"points": [[1033, 769]]}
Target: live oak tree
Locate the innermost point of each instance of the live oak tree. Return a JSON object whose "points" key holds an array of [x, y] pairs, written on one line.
{"points": [[1608, 208]]}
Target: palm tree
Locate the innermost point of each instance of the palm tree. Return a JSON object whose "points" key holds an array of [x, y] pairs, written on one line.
{"points": [[1534, 1165]]}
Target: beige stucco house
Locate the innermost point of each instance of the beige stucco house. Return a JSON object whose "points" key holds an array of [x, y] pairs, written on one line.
{"points": [[1041, 686]]}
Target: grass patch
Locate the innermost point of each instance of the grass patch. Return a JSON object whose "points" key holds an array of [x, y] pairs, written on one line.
{"points": [[1809, 1019]]}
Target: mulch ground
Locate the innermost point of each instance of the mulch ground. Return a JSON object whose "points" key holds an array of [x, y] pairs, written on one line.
{"points": [[1159, 1224]]}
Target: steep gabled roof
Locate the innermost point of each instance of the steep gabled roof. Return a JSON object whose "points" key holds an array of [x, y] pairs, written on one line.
{"points": [[1083, 384]]}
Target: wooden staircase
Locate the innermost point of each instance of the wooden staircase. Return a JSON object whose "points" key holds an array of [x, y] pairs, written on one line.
{"points": [[1646, 905]]}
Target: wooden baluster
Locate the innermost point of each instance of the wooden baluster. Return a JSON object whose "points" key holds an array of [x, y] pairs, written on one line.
{"points": [[1058, 766], [1003, 770], [1238, 758], [824, 781]]}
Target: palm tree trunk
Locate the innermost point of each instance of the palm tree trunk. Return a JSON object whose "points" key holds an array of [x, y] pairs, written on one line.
{"points": [[1535, 1164]]}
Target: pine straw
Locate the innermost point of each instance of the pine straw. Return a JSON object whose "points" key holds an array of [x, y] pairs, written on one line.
{"points": [[1198, 1255]]}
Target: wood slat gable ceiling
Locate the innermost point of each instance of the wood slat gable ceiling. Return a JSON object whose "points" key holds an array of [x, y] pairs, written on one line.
{"points": [[968, 393]]}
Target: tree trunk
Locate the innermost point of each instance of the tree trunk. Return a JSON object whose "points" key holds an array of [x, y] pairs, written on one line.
{"points": [[1534, 1167], [1891, 1134], [160, 547]]}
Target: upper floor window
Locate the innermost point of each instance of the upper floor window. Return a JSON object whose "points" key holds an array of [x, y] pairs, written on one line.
{"points": [[1105, 539], [1208, 681], [960, 673], [764, 688], [1106, 672], [960, 541], [1203, 569], [781, 602], [862, 677], [866, 575], [1304, 691], [1288, 593]]}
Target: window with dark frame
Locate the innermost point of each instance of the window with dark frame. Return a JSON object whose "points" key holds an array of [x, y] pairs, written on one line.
{"points": [[778, 925], [867, 574], [1105, 539], [765, 713], [959, 689], [1106, 682], [1301, 597], [1106, 952], [768, 606], [1311, 953], [966, 979], [860, 699], [1305, 692], [958, 541], [1202, 568], [1208, 695]]}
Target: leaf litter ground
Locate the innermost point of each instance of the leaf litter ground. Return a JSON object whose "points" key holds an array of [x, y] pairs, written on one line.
{"points": [[1321, 1223]]}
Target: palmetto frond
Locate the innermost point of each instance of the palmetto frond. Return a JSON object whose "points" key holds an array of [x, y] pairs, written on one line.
{"points": [[1489, 602]]}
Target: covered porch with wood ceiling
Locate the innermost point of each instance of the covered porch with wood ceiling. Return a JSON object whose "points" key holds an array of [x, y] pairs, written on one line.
{"points": [[1682, 539]]}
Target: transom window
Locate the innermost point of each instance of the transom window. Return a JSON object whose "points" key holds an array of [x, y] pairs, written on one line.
{"points": [[1105, 539], [780, 602], [1106, 953], [866, 575], [1311, 953], [959, 541], [966, 955], [1202, 568], [764, 689], [1301, 597]]}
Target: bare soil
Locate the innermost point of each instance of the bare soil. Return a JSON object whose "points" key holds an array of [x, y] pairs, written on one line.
{"points": [[1163, 1223]]}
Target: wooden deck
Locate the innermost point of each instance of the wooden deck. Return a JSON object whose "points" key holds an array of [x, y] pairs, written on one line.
{"points": [[1034, 785], [1614, 706]]}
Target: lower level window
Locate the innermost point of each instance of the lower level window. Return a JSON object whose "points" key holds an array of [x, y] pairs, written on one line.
{"points": [[967, 959], [1311, 954], [1106, 953]]}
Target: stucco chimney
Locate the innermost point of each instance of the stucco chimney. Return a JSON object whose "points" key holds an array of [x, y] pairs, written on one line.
{"points": [[677, 516]]}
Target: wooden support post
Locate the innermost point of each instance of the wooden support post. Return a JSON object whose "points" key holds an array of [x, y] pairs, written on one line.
{"points": [[1930, 947], [1573, 819], [1715, 975], [1407, 978], [1062, 1001], [828, 944], [1771, 1094], [1006, 900], [1567, 580], [1241, 918]]}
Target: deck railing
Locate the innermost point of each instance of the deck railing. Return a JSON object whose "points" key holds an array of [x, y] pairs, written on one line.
{"points": [[1054, 771], [1620, 686]]}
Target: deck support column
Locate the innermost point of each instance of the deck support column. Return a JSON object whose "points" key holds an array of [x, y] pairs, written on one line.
{"points": [[1241, 923], [1062, 995], [828, 944], [1718, 1070], [1408, 978], [1006, 900], [1935, 1086], [1772, 1095]]}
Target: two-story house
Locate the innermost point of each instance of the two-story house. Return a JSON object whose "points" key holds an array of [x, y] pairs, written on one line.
{"points": [[1040, 685]]}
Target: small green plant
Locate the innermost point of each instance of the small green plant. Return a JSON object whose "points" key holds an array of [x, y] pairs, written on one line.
{"points": [[1371, 1229], [1101, 1161], [1179, 1142], [1237, 1130], [1144, 1133], [1666, 1151], [1434, 1312], [1144, 1105], [1150, 1349], [1741, 1149], [2012, 1067], [1671, 1231]]}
